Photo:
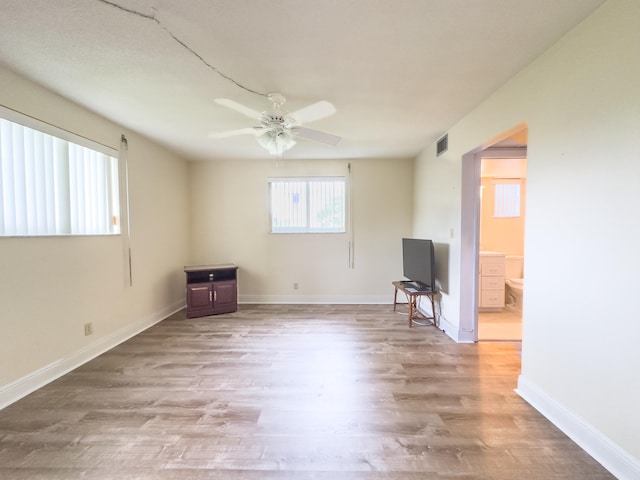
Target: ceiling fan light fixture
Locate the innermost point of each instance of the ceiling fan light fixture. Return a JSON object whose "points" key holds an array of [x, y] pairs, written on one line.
{"points": [[276, 141]]}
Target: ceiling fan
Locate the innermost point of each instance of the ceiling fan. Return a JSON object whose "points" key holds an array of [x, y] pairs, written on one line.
{"points": [[278, 128]]}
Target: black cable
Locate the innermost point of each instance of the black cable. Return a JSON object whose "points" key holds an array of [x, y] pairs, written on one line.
{"points": [[189, 49]]}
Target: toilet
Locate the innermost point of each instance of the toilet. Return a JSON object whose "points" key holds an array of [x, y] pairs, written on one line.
{"points": [[514, 282]]}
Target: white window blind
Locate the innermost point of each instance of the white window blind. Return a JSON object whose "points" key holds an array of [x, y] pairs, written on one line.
{"points": [[507, 198], [51, 186], [307, 205]]}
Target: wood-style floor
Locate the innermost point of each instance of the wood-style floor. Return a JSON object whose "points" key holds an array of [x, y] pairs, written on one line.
{"points": [[289, 393]]}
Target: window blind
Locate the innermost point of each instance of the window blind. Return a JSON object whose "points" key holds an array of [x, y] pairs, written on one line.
{"points": [[507, 198], [51, 186], [307, 205]]}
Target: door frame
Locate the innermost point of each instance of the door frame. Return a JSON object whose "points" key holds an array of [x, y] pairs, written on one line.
{"points": [[470, 227]]}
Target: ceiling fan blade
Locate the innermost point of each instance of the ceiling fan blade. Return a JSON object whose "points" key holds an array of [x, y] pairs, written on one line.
{"points": [[239, 131], [316, 135], [249, 112], [313, 112]]}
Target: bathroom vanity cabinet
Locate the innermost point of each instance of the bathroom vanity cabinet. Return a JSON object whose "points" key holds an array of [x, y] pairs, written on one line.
{"points": [[492, 268]]}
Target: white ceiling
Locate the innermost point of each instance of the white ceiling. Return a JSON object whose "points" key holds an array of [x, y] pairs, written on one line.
{"points": [[400, 73]]}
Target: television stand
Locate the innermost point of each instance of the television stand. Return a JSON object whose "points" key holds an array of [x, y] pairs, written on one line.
{"points": [[412, 293], [211, 289]]}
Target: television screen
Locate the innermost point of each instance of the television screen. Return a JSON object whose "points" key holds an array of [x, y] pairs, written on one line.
{"points": [[418, 262]]}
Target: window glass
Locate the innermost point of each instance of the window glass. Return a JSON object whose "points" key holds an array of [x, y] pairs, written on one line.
{"points": [[507, 199], [307, 205]]}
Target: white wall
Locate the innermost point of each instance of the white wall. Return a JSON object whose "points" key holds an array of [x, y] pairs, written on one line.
{"points": [[582, 104], [230, 223], [51, 286]]}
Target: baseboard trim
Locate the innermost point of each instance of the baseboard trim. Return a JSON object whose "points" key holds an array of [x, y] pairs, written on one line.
{"points": [[610, 455], [317, 299], [22, 387], [449, 328], [452, 331]]}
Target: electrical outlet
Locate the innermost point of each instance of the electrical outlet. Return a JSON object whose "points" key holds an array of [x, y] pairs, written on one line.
{"points": [[295, 285], [88, 329]]}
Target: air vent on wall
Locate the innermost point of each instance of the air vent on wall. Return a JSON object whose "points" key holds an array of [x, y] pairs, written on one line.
{"points": [[442, 145]]}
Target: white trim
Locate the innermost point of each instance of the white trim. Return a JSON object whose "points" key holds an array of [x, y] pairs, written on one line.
{"points": [[469, 243], [318, 299], [609, 454], [22, 387], [506, 152], [453, 331], [449, 328]]}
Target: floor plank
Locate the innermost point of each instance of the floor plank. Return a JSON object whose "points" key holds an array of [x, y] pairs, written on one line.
{"points": [[283, 392]]}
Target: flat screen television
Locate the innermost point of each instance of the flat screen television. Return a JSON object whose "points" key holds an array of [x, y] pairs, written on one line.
{"points": [[418, 263]]}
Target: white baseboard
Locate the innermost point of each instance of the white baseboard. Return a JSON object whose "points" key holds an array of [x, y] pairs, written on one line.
{"points": [[465, 336], [453, 331], [610, 455], [450, 329], [317, 299], [22, 387]]}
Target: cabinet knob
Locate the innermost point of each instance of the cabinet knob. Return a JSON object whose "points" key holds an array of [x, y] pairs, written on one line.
{"points": [[209, 295]]}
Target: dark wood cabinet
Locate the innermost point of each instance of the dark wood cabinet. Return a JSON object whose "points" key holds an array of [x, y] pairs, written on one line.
{"points": [[225, 296], [211, 289]]}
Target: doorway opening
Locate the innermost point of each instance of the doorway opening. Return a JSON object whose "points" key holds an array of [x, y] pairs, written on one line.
{"points": [[492, 237], [503, 183]]}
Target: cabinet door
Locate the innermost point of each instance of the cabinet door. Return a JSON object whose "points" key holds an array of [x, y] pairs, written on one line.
{"points": [[225, 296], [199, 299]]}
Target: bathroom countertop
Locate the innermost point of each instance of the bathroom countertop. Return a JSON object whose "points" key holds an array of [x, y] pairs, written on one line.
{"points": [[486, 253]]}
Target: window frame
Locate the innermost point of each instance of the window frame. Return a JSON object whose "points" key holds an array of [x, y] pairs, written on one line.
{"points": [[112, 177], [308, 229], [505, 204]]}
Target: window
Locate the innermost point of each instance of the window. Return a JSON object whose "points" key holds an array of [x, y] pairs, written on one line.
{"points": [[52, 186], [307, 205], [507, 198]]}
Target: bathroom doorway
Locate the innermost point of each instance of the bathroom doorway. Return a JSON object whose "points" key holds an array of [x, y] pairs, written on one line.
{"points": [[502, 210], [509, 145]]}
